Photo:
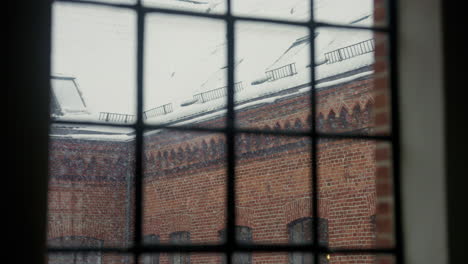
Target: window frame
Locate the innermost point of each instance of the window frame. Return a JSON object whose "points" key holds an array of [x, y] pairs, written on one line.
{"points": [[30, 43], [231, 131]]}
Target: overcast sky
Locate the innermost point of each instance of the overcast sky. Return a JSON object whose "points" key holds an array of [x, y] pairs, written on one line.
{"points": [[182, 55]]}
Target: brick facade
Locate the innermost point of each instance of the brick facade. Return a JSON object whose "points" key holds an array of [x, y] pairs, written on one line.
{"points": [[184, 183]]}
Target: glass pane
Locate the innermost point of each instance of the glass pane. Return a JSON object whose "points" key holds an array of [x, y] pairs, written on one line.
{"points": [[355, 188], [93, 63], [193, 257], [271, 257], [298, 10], [272, 76], [273, 185], [90, 186], [359, 258], [352, 82], [351, 12], [115, 1], [88, 258], [185, 76], [203, 6], [184, 186]]}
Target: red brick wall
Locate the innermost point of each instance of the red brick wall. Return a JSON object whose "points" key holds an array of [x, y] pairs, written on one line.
{"points": [[88, 191], [185, 174]]}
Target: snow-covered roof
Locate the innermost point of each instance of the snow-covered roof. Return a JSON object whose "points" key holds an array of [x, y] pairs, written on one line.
{"points": [[68, 131], [205, 6], [261, 53], [259, 48]]}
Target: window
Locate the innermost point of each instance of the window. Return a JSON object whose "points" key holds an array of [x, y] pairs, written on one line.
{"points": [[76, 257], [180, 238], [295, 90], [419, 30], [154, 257], [244, 235], [301, 232]]}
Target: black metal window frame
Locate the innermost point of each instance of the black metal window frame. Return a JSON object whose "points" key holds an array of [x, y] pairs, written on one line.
{"points": [[231, 246]]}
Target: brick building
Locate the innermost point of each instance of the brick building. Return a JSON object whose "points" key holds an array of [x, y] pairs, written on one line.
{"points": [[91, 184]]}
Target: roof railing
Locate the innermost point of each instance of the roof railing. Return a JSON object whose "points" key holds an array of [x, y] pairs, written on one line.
{"points": [[216, 93], [116, 117], [350, 51], [158, 111], [281, 72], [126, 118]]}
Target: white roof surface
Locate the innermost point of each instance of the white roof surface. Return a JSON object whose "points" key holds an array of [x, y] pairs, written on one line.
{"points": [[187, 56]]}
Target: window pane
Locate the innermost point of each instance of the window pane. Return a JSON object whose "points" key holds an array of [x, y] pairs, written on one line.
{"points": [[298, 10], [351, 12], [184, 186], [202, 6], [93, 63], [273, 185], [355, 187], [360, 258], [352, 82], [88, 258], [185, 71], [115, 1], [195, 257], [273, 70], [90, 186], [270, 257]]}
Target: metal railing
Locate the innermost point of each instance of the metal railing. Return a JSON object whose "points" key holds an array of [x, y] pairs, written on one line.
{"points": [[281, 72], [158, 111], [216, 93], [126, 118], [116, 117], [350, 51]]}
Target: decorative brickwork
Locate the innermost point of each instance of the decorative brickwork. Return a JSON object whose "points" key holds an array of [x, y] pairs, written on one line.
{"points": [[185, 174]]}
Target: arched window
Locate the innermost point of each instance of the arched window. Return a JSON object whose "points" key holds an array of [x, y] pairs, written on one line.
{"points": [[154, 257], [300, 232], [243, 235], [180, 238], [343, 120], [75, 257], [332, 125]]}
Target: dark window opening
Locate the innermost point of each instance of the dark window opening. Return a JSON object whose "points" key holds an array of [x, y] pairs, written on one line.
{"points": [[300, 232], [180, 238], [152, 258], [75, 257], [243, 235]]}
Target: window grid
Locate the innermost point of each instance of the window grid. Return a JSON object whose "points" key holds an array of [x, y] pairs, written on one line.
{"points": [[230, 131]]}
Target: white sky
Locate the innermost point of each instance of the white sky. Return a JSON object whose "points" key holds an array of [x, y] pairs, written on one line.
{"points": [[97, 46]]}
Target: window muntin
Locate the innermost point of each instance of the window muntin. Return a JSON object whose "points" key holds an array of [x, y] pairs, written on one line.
{"points": [[312, 134]]}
